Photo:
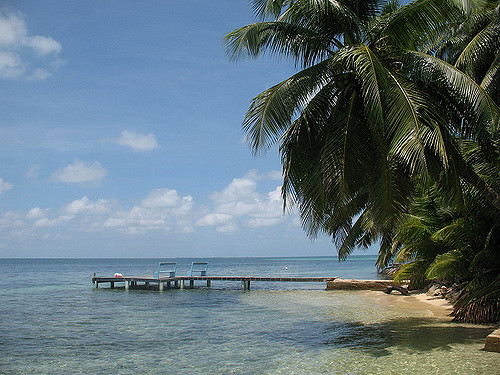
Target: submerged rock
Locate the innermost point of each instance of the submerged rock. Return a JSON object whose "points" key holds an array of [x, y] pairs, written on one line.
{"points": [[353, 284]]}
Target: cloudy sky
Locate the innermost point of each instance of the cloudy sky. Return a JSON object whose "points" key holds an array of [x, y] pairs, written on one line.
{"points": [[120, 134]]}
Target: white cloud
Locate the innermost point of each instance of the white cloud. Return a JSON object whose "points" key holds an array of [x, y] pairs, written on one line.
{"points": [[137, 142], [80, 172], [5, 186], [41, 44], [85, 205], [36, 213], [228, 228], [214, 219], [241, 201], [33, 171], [11, 219], [162, 209], [162, 198], [47, 222], [256, 222], [238, 206], [11, 65], [12, 28], [16, 45], [275, 175], [38, 75]]}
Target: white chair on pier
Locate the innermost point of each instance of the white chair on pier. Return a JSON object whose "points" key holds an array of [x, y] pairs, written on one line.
{"points": [[200, 267], [196, 267], [165, 268]]}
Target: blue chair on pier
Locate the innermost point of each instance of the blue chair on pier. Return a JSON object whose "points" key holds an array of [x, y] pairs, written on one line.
{"points": [[166, 268], [200, 267]]}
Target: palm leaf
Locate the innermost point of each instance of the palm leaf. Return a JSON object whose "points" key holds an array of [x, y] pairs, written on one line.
{"points": [[419, 20], [482, 45], [295, 41], [491, 80], [447, 266], [473, 101], [272, 111]]}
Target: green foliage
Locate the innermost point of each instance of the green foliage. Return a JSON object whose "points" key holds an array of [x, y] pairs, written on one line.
{"points": [[458, 243], [390, 132], [447, 266], [414, 272]]}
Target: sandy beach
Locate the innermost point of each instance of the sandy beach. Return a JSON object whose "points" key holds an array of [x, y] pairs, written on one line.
{"points": [[430, 306]]}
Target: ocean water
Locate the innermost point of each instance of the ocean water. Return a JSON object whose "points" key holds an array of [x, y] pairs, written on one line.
{"points": [[54, 322]]}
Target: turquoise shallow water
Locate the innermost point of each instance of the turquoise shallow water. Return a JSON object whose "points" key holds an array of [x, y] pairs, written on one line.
{"points": [[54, 322]]}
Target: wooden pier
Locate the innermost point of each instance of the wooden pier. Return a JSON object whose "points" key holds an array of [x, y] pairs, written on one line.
{"points": [[149, 282]]}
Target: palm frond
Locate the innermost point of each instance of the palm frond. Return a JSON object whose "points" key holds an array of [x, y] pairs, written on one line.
{"points": [[329, 18], [491, 79], [447, 266], [485, 43], [413, 271], [269, 8], [473, 101], [419, 20], [303, 45], [271, 112]]}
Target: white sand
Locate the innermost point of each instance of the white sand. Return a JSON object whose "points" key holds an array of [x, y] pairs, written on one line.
{"points": [[428, 306]]}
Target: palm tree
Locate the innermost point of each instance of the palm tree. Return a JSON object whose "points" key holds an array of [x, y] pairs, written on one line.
{"points": [[369, 115], [474, 47]]}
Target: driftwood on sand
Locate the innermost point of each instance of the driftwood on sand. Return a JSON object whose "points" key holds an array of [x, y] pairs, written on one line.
{"points": [[493, 342], [400, 289]]}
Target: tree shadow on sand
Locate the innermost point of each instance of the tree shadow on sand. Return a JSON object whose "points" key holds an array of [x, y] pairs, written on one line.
{"points": [[414, 334]]}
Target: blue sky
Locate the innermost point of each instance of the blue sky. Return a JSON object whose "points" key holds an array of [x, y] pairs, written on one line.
{"points": [[120, 134]]}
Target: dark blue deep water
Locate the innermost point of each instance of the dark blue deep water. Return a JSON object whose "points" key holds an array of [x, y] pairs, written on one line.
{"points": [[54, 322]]}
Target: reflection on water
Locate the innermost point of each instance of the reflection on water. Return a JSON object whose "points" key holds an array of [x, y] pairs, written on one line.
{"points": [[52, 328]]}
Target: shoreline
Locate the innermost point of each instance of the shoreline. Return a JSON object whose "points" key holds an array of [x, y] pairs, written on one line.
{"points": [[429, 306]]}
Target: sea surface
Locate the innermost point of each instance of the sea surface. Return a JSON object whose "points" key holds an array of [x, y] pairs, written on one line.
{"points": [[52, 321]]}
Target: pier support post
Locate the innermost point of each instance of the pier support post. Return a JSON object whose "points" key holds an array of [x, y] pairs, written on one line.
{"points": [[209, 282], [168, 284], [160, 286], [182, 284], [191, 283], [245, 284], [127, 285], [112, 285], [96, 285], [176, 284]]}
